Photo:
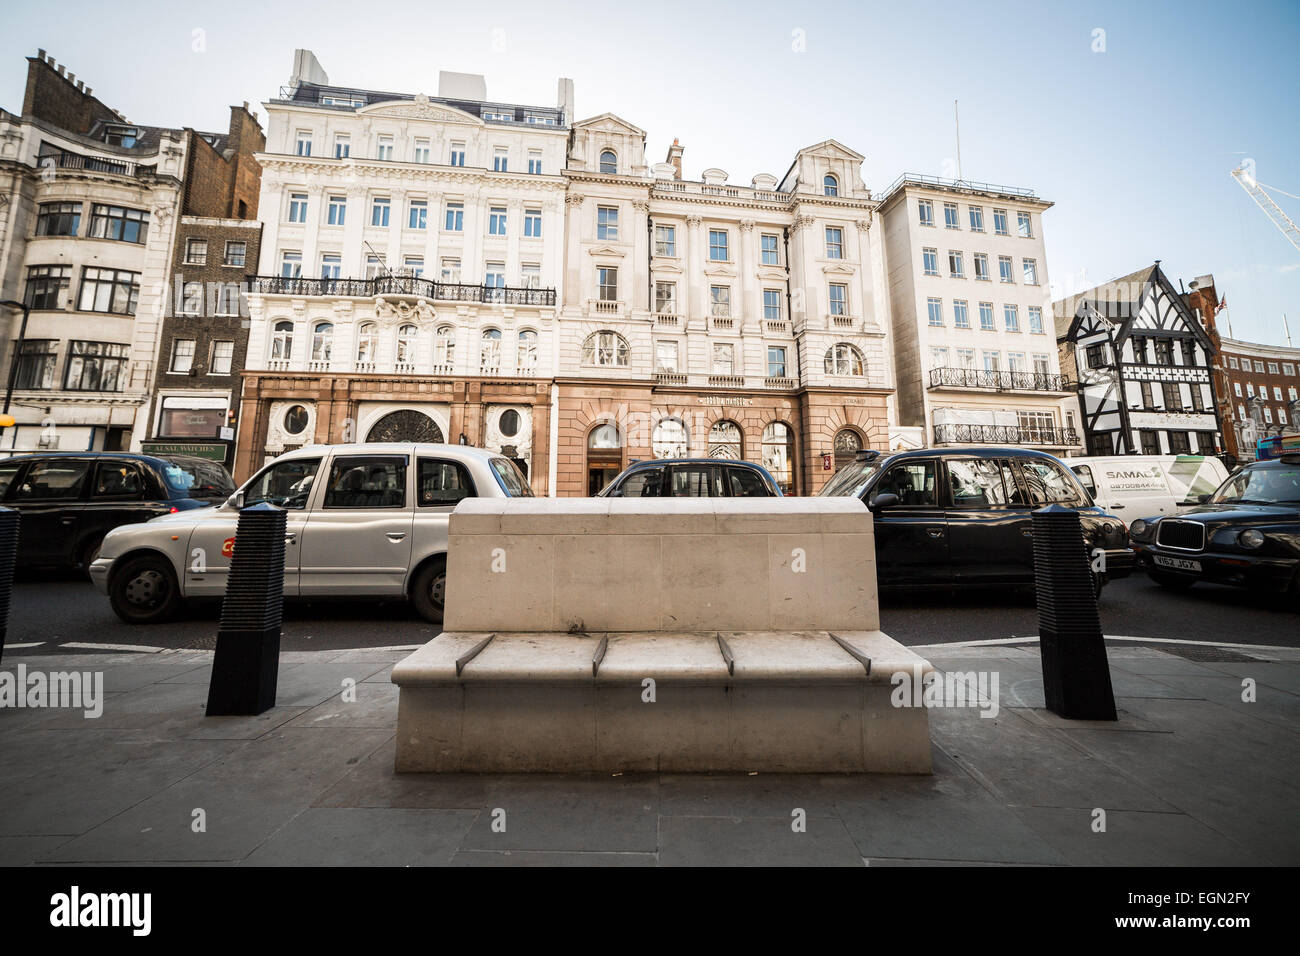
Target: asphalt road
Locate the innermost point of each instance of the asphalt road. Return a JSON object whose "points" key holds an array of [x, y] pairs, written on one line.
{"points": [[55, 611]]}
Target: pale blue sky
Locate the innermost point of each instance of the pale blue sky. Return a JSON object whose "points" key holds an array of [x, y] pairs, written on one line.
{"points": [[1134, 144]]}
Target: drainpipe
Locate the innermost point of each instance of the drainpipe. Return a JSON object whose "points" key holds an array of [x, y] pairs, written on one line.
{"points": [[789, 311], [649, 264]]}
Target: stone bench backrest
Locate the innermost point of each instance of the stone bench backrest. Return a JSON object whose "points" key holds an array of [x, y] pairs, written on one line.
{"points": [[685, 564]]}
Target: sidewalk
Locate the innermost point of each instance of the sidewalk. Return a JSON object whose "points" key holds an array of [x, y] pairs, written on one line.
{"points": [[1189, 775]]}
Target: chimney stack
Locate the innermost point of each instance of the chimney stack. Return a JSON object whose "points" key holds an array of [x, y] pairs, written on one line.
{"points": [[675, 158]]}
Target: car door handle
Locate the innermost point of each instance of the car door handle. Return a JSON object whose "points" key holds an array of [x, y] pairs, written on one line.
{"points": [[396, 535], [291, 537], [1116, 507], [68, 520], [934, 532], [1028, 532]]}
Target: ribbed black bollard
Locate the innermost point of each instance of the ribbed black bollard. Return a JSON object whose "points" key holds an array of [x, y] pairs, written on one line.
{"points": [[1076, 674], [247, 662], [8, 559]]}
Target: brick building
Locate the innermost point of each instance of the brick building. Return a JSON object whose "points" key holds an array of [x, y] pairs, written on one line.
{"points": [[204, 338], [1262, 393]]}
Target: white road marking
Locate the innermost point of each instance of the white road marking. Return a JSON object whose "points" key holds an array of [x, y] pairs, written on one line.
{"points": [[32, 644], [1114, 637], [137, 648]]}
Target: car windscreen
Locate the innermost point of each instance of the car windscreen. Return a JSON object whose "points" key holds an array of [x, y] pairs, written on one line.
{"points": [[511, 479], [851, 480], [197, 478], [1261, 486]]}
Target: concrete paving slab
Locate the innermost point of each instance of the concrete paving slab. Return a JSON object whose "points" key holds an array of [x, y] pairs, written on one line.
{"points": [[365, 837], [550, 858], [26, 850], [1136, 839], [724, 841], [375, 706]]}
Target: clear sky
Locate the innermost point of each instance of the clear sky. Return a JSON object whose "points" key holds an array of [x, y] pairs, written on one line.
{"points": [[1131, 133]]}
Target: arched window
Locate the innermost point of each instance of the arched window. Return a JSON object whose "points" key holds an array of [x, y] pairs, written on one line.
{"points": [[367, 342], [830, 185], [847, 445], [406, 336], [608, 161], [778, 454], [490, 356], [670, 439], [527, 351], [444, 349], [844, 359], [605, 348], [322, 341], [604, 456], [282, 341], [725, 440]]}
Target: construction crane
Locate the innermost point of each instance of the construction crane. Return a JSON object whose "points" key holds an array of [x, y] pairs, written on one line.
{"points": [[1265, 202]]}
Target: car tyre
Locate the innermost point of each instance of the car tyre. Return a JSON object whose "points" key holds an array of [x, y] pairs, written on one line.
{"points": [[89, 552], [145, 591], [1172, 581], [429, 590]]}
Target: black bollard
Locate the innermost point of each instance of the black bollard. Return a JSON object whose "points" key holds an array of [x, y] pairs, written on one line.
{"points": [[1076, 674], [247, 661], [8, 559]]}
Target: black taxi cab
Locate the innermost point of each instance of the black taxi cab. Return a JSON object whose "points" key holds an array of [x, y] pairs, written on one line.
{"points": [[962, 517], [1246, 534]]}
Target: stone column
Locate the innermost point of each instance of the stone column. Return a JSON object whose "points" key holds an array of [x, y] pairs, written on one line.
{"points": [[575, 211], [640, 299], [695, 301]]}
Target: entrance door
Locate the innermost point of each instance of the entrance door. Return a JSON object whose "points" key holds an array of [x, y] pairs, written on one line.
{"points": [[604, 456]]}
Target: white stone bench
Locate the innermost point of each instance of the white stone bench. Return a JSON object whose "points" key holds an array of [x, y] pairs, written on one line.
{"points": [[680, 635]]}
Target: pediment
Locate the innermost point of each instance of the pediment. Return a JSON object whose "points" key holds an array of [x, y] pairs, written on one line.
{"points": [[607, 251], [420, 109], [609, 123], [831, 148]]}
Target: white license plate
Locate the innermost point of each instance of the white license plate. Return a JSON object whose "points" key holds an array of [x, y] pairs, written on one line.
{"points": [[1182, 564]]}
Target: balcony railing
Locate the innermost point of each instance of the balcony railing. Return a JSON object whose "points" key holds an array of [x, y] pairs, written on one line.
{"points": [[727, 381], [670, 378], [998, 380], [779, 383], [400, 285], [95, 164], [1003, 435]]}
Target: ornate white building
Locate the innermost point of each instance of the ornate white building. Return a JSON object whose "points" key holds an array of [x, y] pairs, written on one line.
{"points": [[410, 259]]}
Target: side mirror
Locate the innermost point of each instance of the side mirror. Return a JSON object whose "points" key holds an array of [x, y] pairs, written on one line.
{"points": [[235, 501], [884, 500], [1203, 499]]}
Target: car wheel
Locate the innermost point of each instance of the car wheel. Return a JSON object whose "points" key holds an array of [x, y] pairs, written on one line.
{"points": [[89, 553], [1172, 581], [145, 591], [429, 590]]}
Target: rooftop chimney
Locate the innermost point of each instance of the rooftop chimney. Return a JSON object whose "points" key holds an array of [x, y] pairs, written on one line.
{"points": [[40, 55], [675, 158], [462, 86], [564, 99], [307, 69]]}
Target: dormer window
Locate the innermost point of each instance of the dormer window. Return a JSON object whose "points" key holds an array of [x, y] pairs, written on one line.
{"points": [[830, 185], [497, 117], [124, 136], [608, 161]]}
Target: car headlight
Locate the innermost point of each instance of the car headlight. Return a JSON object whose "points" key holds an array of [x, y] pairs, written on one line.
{"points": [[1137, 528], [1251, 538]]}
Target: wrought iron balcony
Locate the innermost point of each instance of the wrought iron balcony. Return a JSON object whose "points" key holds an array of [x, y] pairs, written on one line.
{"points": [[950, 434], [400, 285], [63, 159], [998, 380]]}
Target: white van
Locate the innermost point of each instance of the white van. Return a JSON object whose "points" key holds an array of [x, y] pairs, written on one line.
{"points": [[1141, 486]]}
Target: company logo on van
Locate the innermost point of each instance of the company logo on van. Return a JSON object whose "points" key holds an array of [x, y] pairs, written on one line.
{"points": [[1136, 479]]}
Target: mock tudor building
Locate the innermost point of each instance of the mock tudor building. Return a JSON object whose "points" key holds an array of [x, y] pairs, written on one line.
{"points": [[703, 318], [89, 205], [410, 256], [973, 347], [1143, 364]]}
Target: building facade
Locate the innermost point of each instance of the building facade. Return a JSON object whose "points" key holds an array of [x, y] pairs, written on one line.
{"points": [[410, 258], [1143, 364], [707, 319], [89, 205], [1263, 393], [973, 347], [203, 342]]}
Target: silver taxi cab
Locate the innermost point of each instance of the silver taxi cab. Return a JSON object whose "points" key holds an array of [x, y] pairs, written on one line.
{"points": [[364, 521]]}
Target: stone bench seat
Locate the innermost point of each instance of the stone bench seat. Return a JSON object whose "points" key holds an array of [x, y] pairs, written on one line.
{"points": [[674, 635], [780, 702]]}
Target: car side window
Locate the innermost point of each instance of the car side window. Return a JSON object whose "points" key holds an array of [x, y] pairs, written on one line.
{"points": [[1015, 494], [913, 482], [511, 478], [53, 480], [643, 483], [7, 472], [117, 480], [441, 483], [696, 481], [976, 483], [367, 482], [747, 484], [1084, 473], [1049, 484], [286, 484]]}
